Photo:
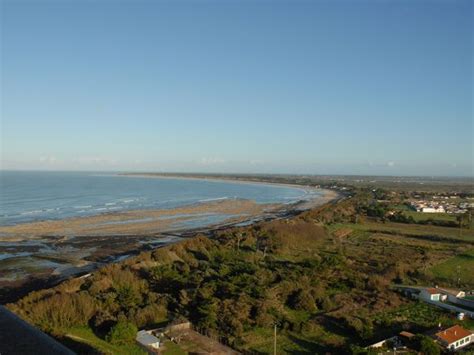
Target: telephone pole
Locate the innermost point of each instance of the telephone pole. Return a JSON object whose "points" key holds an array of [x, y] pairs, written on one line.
{"points": [[275, 339], [458, 274]]}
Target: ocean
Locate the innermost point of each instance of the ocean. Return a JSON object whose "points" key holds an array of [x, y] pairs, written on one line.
{"points": [[35, 196]]}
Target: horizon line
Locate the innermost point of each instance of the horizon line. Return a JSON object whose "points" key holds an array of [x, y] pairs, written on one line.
{"points": [[242, 174]]}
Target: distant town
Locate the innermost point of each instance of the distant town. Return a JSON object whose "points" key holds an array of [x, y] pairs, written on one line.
{"points": [[442, 204]]}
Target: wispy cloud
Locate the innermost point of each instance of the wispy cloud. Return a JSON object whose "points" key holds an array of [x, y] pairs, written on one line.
{"points": [[95, 160], [48, 160], [211, 161]]}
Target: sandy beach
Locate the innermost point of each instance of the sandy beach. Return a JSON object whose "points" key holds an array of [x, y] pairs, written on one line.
{"points": [[217, 179]]}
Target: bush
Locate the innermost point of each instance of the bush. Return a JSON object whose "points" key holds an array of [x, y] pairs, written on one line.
{"points": [[122, 333], [61, 311], [303, 301], [326, 304], [426, 345]]}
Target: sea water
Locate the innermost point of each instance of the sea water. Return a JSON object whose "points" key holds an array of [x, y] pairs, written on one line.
{"points": [[35, 196]]}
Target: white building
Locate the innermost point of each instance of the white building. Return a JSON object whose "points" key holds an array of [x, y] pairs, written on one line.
{"points": [[436, 209], [453, 295], [147, 339], [430, 294], [455, 337]]}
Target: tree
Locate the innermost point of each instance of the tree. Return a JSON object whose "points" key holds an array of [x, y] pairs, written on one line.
{"points": [[426, 345], [239, 236], [362, 326], [326, 303], [464, 221], [128, 297], [122, 333], [263, 243], [302, 300]]}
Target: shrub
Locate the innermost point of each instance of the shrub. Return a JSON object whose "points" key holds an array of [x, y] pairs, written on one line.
{"points": [[302, 300], [122, 333], [426, 345]]}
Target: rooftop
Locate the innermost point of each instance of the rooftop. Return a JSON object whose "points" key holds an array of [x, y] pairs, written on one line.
{"points": [[143, 337], [432, 291], [453, 334], [406, 334]]}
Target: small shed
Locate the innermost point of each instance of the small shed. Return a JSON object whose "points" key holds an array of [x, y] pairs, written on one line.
{"points": [[148, 340]]}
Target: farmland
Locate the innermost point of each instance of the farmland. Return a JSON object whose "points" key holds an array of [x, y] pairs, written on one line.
{"points": [[456, 270]]}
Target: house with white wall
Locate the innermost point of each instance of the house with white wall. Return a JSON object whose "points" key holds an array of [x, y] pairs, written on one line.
{"points": [[434, 209], [430, 294], [455, 337]]}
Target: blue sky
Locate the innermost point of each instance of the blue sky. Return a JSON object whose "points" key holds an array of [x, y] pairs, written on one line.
{"points": [[323, 87]]}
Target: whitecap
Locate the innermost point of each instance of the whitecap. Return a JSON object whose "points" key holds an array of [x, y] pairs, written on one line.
{"points": [[214, 199], [30, 212]]}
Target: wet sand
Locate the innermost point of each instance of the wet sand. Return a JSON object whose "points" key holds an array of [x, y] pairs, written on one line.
{"points": [[137, 221]]}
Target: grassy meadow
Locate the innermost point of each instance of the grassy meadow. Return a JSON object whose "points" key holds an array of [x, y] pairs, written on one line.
{"points": [[459, 267]]}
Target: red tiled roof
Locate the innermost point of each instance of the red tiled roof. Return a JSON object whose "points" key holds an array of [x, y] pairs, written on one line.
{"points": [[453, 334], [406, 334], [433, 291]]}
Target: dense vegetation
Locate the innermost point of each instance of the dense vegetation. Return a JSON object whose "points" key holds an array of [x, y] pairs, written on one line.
{"points": [[324, 277]]}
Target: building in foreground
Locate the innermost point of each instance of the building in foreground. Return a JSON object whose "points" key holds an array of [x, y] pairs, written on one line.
{"points": [[455, 337], [147, 340]]}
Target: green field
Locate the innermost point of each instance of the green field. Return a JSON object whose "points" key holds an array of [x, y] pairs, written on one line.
{"points": [[85, 336], [413, 230], [459, 266], [420, 314], [420, 216], [262, 341]]}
